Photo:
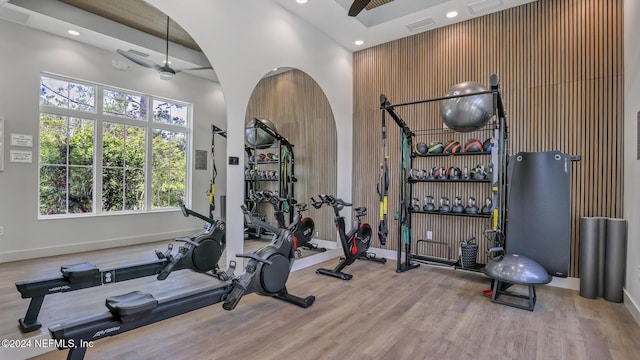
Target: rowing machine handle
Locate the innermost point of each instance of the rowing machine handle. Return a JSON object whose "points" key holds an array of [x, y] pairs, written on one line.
{"points": [[186, 212], [277, 231], [171, 263]]}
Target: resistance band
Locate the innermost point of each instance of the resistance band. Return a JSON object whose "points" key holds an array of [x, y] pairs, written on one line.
{"points": [[405, 219], [214, 173], [383, 188]]}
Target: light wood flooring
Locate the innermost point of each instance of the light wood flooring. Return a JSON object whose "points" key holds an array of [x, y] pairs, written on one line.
{"points": [[426, 313]]}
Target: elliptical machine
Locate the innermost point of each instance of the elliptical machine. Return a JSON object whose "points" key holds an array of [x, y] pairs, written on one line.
{"points": [[355, 244], [302, 227], [200, 253], [266, 274]]}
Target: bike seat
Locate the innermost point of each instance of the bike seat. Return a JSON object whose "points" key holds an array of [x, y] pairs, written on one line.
{"points": [[131, 306], [301, 206], [360, 211]]}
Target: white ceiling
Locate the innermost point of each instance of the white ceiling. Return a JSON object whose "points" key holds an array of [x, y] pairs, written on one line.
{"points": [[382, 24], [388, 22]]}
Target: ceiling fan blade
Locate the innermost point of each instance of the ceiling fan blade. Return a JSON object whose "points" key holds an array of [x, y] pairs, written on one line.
{"points": [[358, 6], [138, 60], [197, 68]]}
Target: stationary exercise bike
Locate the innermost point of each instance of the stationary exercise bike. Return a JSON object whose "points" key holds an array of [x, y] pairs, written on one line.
{"points": [[302, 227], [355, 244], [200, 253], [266, 274]]}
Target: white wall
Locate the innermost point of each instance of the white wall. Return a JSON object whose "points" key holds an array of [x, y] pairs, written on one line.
{"points": [[243, 41], [25, 54], [631, 163]]}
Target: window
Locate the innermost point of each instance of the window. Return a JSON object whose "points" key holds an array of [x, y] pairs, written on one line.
{"points": [[100, 157]]}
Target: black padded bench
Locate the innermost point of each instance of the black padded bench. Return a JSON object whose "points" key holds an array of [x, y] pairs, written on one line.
{"points": [[79, 273], [131, 306]]}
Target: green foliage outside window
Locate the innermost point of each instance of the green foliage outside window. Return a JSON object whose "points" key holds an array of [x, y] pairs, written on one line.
{"points": [[67, 151]]}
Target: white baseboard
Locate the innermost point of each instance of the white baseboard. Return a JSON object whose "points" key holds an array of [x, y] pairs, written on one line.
{"points": [[565, 283], [632, 306], [90, 246], [316, 259], [570, 283], [327, 244]]}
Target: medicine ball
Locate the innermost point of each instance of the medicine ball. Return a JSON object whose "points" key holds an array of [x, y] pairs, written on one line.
{"points": [[420, 148], [452, 147], [487, 145], [473, 145], [436, 147]]}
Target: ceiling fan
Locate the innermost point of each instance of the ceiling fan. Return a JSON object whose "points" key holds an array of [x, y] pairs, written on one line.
{"points": [[165, 71], [358, 6]]}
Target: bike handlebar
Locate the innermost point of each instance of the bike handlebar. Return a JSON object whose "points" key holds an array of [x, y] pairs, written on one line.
{"points": [[270, 197], [337, 203]]}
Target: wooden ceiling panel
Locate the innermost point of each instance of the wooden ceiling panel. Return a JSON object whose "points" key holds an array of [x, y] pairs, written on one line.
{"points": [[375, 3], [139, 15]]}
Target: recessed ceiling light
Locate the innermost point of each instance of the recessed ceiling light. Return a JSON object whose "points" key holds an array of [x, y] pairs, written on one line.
{"points": [[358, 42], [452, 14], [73, 32], [301, 1]]}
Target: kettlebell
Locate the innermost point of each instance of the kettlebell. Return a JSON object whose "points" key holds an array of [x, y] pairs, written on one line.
{"points": [[457, 205], [471, 208], [479, 172], [444, 205], [428, 204], [454, 173], [415, 204], [438, 173], [488, 204], [430, 174]]}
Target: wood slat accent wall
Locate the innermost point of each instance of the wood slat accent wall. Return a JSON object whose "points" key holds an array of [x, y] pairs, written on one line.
{"points": [[299, 109], [560, 65]]}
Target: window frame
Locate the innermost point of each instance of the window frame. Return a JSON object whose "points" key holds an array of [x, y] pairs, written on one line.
{"points": [[99, 118]]}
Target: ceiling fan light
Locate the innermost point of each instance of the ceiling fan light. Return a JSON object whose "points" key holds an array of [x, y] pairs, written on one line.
{"points": [[166, 73]]}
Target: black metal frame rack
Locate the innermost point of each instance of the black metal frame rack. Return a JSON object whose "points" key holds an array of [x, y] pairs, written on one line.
{"points": [[285, 179], [497, 129]]}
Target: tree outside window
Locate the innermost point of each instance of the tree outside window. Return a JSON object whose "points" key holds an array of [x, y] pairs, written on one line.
{"points": [[68, 123]]}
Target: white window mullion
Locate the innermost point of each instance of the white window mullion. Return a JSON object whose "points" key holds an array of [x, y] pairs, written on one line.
{"points": [[67, 165], [97, 178], [148, 174]]}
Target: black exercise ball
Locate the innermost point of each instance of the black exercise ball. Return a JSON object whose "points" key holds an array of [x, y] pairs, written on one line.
{"points": [[436, 147], [421, 148], [473, 145], [452, 147], [487, 145]]}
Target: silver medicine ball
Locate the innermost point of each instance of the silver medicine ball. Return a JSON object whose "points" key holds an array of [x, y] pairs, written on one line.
{"points": [[468, 113], [256, 137]]}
